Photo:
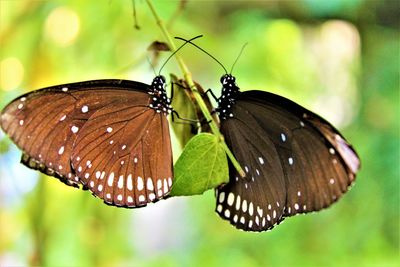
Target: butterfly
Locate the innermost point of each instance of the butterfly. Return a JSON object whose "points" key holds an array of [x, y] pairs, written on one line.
{"points": [[294, 160], [111, 136]]}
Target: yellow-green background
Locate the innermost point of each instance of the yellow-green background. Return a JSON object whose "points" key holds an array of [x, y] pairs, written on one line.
{"points": [[339, 58]]}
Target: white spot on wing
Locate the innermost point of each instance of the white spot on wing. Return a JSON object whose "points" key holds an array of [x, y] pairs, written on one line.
{"points": [[61, 150], [109, 129], [244, 205], [85, 109], [165, 186], [74, 129], [251, 209], [238, 202], [227, 213], [149, 184], [283, 137], [219, 208], [261, 160], [231, 199], [120, 181], [129, 183], [140, 184], [110, 180], [221, 197]]}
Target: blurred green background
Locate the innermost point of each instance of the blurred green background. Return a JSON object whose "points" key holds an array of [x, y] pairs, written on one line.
{"points": [[338, 58]]}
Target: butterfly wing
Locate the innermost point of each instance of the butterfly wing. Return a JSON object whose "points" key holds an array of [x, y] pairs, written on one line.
{"points": [[295, 161], [125, 161], [48, 124]]}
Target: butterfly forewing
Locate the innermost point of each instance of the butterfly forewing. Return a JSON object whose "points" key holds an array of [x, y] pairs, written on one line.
{"points": [[273, 131]]}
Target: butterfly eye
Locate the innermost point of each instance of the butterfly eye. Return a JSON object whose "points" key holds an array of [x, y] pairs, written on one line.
{"points": [[224, 79], [163, 80]]}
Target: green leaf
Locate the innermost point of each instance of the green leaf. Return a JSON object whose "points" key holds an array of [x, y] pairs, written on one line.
{"points": [[202, 165]]}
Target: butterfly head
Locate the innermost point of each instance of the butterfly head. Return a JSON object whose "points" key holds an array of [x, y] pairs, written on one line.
{"points": [[160, 101]]}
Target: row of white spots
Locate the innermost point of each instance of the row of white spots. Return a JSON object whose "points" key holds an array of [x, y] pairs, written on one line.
{"points": [[257, 213], [163, 185]]}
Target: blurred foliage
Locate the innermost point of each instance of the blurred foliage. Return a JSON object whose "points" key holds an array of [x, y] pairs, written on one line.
{"points": [[339, 58]]}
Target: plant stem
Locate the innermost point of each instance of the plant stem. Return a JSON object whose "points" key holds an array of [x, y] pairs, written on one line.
{"points": [[188, 78]]}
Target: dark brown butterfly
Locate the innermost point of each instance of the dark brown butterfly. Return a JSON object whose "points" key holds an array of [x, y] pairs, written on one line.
{"points": [[294, 160]]}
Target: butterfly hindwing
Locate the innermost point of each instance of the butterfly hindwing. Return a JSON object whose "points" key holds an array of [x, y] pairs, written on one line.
{"points": [[123, 161]]}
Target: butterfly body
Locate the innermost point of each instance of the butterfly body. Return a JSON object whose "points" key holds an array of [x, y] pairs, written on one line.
{"points": [[111, 136], [294, 161]]}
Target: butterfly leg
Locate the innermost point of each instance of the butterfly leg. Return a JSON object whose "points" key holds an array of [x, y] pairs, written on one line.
{"points": [[212, 94]]}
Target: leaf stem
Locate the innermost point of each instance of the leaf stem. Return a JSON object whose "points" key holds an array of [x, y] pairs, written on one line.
{"points": [[188, 78]]}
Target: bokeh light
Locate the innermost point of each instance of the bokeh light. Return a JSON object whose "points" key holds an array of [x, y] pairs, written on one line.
{"points": [[62, 26], [11, 73]]}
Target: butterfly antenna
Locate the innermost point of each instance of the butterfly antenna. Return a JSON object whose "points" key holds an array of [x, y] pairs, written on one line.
{"points": [[189, 41], [152, 67], [176, 51], [237, 58]]}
